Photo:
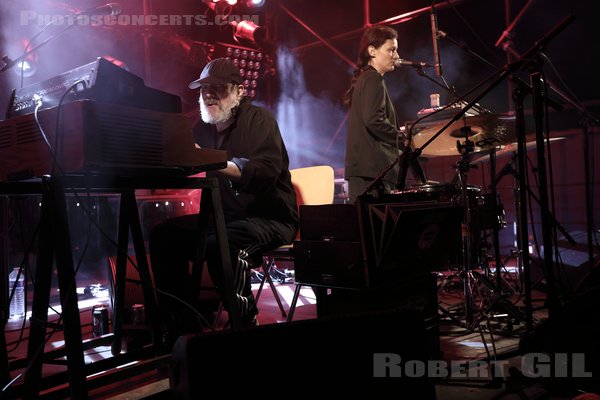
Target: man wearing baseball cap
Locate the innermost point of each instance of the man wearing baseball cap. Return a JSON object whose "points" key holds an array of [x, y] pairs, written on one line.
{"points": [[259, 202]]}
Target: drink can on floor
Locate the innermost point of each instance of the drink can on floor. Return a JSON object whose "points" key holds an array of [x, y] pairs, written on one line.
{"points": [[99, 320]]}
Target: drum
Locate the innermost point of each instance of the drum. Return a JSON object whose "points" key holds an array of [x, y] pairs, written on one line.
{"points": [[448, 194]]}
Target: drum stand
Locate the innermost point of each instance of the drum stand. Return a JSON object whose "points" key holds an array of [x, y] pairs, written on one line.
{"points": [[472, 280]]}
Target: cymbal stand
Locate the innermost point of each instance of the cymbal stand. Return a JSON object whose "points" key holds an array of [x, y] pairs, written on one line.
{"points": [[516, 252], [501, 283], [472, 278], [462, 169]]}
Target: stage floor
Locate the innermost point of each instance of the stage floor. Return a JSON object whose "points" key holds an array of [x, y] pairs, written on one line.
{"points": [[494, 340]]}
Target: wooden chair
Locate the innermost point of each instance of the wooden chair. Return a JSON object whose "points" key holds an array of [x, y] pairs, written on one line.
{"points": [[314, 186]]}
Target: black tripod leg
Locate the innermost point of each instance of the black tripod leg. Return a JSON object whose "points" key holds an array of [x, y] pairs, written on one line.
{"points": [[498, 299]]}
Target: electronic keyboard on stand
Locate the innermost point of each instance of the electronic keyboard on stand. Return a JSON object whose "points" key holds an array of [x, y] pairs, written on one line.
{"points": [[99, 118], [99, 129]]}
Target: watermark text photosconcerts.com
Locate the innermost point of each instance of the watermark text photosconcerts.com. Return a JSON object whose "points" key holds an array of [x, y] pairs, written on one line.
{"points": [[34, 18], [533, 365]]}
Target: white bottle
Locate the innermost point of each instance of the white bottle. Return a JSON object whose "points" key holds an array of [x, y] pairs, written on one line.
{"points": [[434, 100], [17, 304]]}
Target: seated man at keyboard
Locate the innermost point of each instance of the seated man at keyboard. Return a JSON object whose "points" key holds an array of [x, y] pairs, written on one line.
{"points": [[259, 202]]}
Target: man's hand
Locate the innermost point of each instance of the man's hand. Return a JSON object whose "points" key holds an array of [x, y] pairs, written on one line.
{"points": [[232, 171]]}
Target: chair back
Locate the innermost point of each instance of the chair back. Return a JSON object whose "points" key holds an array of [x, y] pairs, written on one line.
{"points": [[314, 185]]}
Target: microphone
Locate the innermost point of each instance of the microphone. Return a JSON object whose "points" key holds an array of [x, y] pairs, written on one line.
{"points": [[106, 9], [434, 36], [417, 64]]}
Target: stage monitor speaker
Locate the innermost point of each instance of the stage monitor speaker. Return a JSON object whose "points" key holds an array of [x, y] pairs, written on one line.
{"points": [[416, 293], [396, 241], [337, 353], [573, 268], [572, 329]]}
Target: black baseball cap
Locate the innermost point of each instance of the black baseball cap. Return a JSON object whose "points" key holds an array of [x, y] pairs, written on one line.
{"points": [[219, 71]]}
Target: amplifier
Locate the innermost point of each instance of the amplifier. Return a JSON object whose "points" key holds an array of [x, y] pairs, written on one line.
{"points": [[375, 242], [330, 264]]}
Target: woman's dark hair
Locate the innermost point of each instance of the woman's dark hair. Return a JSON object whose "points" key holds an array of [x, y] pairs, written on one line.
{"points": [[375, 36]]}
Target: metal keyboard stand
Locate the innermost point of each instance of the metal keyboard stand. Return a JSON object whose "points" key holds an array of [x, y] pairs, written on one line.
{"points": [[4, 290], [55, 243]]}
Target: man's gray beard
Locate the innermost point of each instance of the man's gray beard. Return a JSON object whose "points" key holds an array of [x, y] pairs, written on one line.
{"points": [[223, 114]]}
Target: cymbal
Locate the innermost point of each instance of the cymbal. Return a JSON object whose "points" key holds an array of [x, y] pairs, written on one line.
{"points": [[486, 131], [506, 150]]}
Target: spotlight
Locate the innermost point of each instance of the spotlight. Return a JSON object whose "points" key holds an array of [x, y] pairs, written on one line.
{"points": [[222, 8], [256, 3], [26, 68], [248, 33]]}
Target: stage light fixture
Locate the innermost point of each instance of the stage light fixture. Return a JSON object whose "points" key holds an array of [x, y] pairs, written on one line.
{"points": [[249, 69], [246, 32], [26, 68], [256, 3], [218, 5], [222, 8]]}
